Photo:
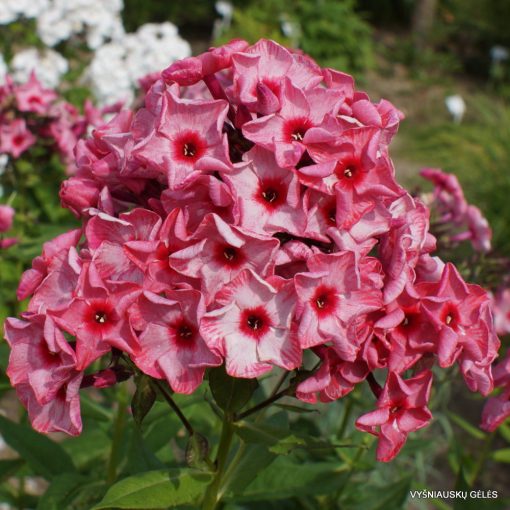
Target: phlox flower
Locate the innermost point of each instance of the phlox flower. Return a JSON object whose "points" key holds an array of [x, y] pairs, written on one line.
{"points": [[42, 367], [170, 342], [96, 316], [251, 328], [401, 408], [259, 72], [334, 379], [284, 132], [219, 252], [187, 140], [497, 408], [15, 137], [32, 97], [6, 217], [267, 196], [329, 297]]}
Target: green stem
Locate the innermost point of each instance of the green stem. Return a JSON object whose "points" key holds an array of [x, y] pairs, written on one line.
{"points": [[279, 384], [242, 447], [353, 462], [118, 432], [288, 391], [211, 498], [171, 402], [231, 469], [268, 401], [345, 419]]}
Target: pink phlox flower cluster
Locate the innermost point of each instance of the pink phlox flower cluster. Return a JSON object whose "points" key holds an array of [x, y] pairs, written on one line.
{"points": [[501, 310], [7, 214], [29, 113], [246, 214], [497, 408], [462, 220]]}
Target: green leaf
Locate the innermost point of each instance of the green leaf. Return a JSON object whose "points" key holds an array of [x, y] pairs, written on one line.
{"points": [[44, 456], [91, 447], [94, 410], [467, 427], [161, 431], [156, 489], [504, 431], [9, 467], [71, 491], [285, 478], [286, 445], [279, 440], [230, 393], [253, 460], [139, 457], [388, 497], [502, 455], [462, 484], [7, 495], [61, 492], [143, 399]]}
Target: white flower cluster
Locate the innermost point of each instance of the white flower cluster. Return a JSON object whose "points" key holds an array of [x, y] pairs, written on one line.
{"points": [[119, 59], [49, 66], [98, 20], [11, 10], [117, 66], [58, 20]]}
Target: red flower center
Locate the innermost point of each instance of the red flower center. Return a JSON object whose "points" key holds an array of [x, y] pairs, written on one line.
{"points": [[162, 252], [255, 322], [273, 85], [228, 255], [328, 210], [46, 356], [188, 147], [189, 150], [324, 300], [411, 318], [18, 140], [294, 129], [331, 216], [100, 317], [183, 333], [349, 172], [271, 194], [450, 316]]}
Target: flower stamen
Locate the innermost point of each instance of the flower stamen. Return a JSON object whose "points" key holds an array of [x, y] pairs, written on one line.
{"points": [[189, 150], [229, 253], [100, 317], [270, 195], [185, 332], [254, 322]]}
